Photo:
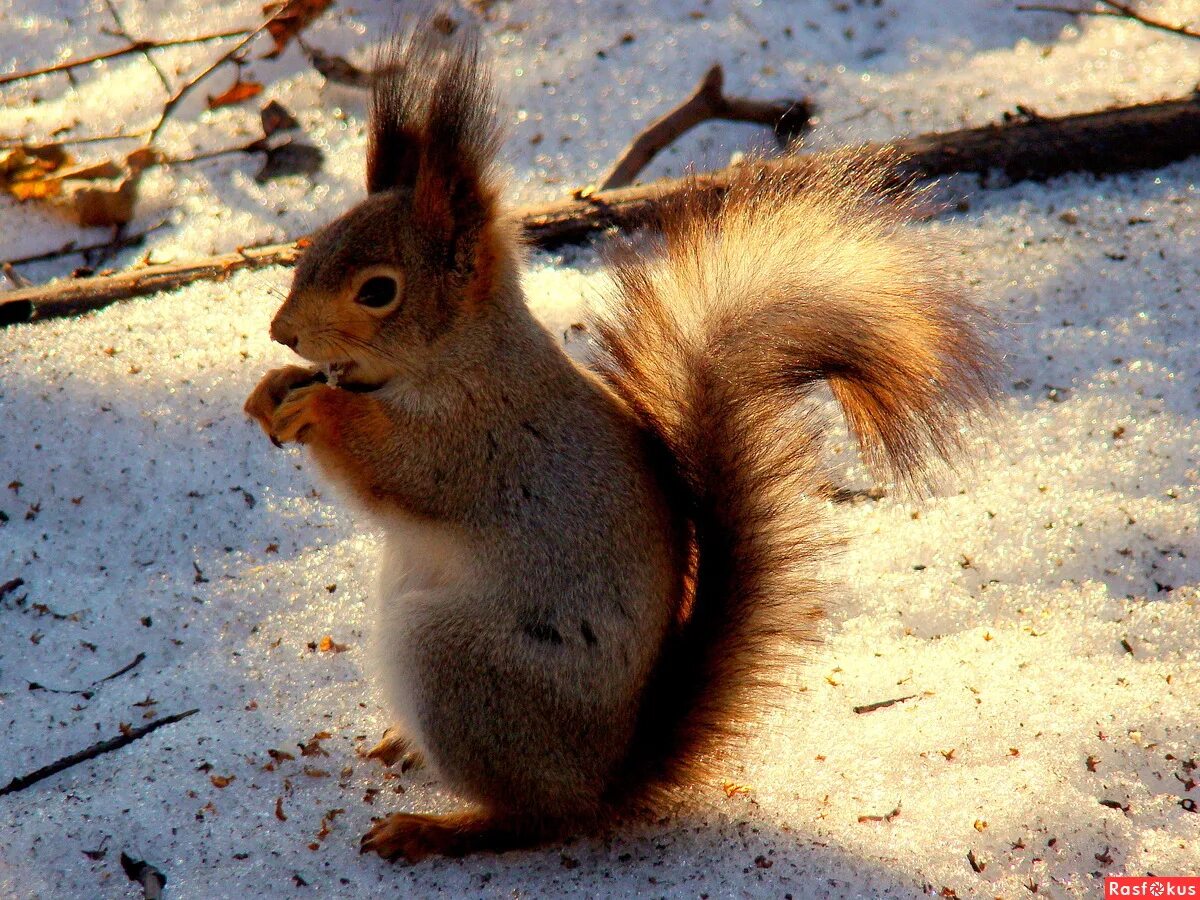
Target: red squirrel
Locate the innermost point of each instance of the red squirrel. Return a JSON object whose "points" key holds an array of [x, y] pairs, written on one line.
{"points": [[591, 576]]}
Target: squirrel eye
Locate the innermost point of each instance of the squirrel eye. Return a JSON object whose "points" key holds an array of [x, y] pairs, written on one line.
{"points": [[377, 292]]}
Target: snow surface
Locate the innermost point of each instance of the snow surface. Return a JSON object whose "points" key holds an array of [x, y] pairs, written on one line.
{"points": [[1042, 609]]}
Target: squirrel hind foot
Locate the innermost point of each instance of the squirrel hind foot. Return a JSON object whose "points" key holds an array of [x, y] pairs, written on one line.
{"points": [[394, 748], [414, 837]]}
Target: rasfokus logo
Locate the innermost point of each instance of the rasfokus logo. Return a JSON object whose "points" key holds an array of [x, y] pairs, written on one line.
{"points": [[1151, 886]]}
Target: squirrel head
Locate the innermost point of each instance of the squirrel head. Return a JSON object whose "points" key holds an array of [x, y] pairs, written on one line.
{"points": [[379, 289]]}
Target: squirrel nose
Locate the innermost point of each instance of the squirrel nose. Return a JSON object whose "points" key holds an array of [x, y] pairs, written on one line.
{"points": [[283, 334]]}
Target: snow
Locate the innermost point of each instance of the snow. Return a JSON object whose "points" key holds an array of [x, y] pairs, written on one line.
{"points": [[1041, 610]]}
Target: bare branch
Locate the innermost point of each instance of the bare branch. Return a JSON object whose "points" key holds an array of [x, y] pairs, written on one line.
{"points": [[705, 103], [188, 86], [137, 46], [1115, 10], [1144, 136], [122, 31], [97, 749]]}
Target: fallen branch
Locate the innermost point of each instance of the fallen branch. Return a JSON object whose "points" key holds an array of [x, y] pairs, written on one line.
{"points": [[122, 31], [1114, 10], [70, 247], [1146, 136], [24, 781], [188, 86], [882, 704], [137, 46], [87, 694], [706, 102], [1030, 147]]}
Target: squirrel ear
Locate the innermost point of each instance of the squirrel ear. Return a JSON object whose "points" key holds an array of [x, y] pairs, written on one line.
{"points": [[433, 127]]}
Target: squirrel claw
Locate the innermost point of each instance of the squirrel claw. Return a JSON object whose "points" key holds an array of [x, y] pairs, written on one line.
{"points": [[394, 748], [408, 836], [271, 391], [297, 413]]}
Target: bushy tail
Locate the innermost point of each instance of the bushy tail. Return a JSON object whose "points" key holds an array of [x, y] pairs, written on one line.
{"points": [[713, 337]]}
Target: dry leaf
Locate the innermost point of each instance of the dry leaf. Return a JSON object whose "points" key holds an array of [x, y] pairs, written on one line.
{"points": [[327, 644], [222, 781], [279, 810], [28, 172], [276, 117], [313, 746], [238, 91], [289, 18], [93, 194]]}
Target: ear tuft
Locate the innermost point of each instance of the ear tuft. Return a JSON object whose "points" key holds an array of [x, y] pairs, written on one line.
{"points": [[433, 127]]}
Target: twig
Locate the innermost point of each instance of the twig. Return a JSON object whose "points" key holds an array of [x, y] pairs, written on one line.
{"points": [[71, 141], [70, 248], [1124, 139], [122, 31], [188, 86], [1114, 10], [151, 879], [881, 704], [137, 661], [116, 743], [18, 280], [138, 46], [706, 102]]}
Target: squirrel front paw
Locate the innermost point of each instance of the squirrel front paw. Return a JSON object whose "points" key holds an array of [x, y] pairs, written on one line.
{"points": [[267, 398], [297, 414]]}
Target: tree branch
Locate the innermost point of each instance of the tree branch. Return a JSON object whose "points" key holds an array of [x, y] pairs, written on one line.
{"points": [[705, 103], [1146, 136], [1114, 10], [138, 46], [116, 743]]}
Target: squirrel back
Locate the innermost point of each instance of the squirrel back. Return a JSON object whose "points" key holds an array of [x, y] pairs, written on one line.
{"points": [[715, 335]]}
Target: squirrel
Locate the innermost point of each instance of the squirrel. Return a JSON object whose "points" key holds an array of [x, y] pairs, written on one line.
{"points": [[591, 576]]}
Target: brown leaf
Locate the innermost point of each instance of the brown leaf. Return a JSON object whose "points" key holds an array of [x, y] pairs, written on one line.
{"points": [[222, 781], [279, 814], [289, 18], [313, 772], [313, 746], [279, 755], [237, 92], [328, 645], [28, 173], [276, 117], [35, 189]]}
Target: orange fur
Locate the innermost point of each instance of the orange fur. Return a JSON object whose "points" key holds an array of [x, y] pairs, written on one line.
{"points": [[417, 837], [714, 336]]}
